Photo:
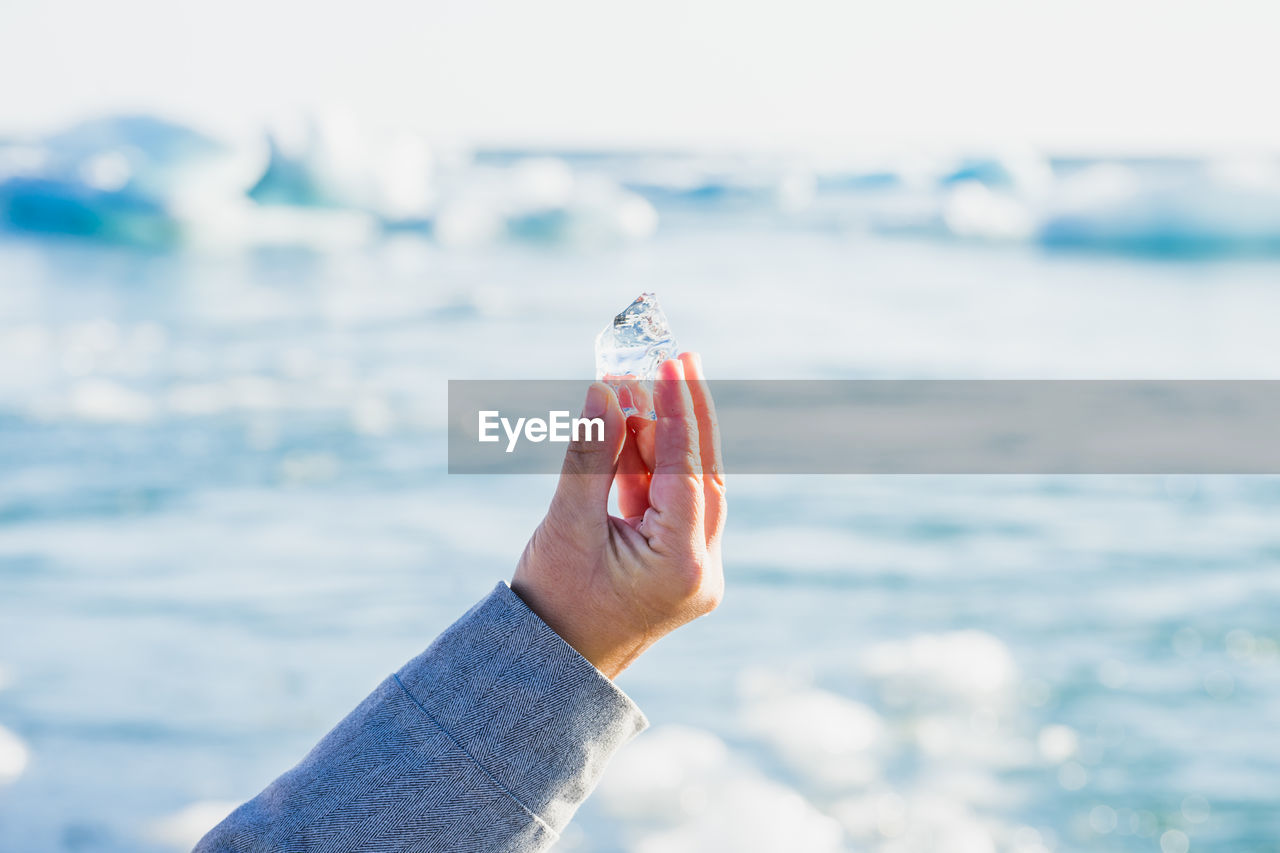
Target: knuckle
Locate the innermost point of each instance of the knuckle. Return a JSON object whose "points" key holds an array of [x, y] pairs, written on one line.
{"points": [[710, 593], [715, 483], [713, 599], [581, 447], [574, 463], [581, 456], [694, 576], [684, 462]]}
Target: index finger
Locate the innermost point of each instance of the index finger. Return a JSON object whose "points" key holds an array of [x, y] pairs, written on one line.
{"points": [[676, 486], [708, 443]]}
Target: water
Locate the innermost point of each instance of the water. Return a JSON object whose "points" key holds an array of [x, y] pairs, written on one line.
{"points": [[224, 518]]}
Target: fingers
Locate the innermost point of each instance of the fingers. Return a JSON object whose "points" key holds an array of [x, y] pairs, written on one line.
{"points": [[631, 392], [582, 495], [639, 427], [675, 491], [642, 431], [708, 445], [633, 474], [641, 399]]}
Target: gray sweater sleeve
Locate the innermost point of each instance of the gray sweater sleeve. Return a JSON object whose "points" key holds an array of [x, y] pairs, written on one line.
{"points": [[488, 741]]}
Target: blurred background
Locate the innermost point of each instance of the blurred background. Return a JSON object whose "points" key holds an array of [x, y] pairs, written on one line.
{"points": [[243, 246]]}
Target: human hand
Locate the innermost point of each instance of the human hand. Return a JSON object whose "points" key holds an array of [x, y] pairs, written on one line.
{"points": [[611, 587]]}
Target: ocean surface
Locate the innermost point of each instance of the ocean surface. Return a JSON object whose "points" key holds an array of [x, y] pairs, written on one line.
{"points": [[225, 516]]}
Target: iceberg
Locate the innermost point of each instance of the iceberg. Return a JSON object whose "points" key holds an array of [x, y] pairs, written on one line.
{"points": [[1205, 210], [130, 179], [541, 201], [327, 161]]}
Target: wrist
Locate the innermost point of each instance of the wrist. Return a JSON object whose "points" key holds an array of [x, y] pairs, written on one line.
{"points": [[592, 635]]}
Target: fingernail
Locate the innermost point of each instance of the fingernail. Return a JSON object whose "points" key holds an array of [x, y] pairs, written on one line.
{"points": [[697, 360], [597, 401], [677, 367]]}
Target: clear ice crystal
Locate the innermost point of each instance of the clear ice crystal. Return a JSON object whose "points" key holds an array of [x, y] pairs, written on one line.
{"points": [[632, 347]]}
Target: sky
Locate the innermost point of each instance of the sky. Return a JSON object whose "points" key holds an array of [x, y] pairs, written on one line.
{"points": [[1067, 75]]}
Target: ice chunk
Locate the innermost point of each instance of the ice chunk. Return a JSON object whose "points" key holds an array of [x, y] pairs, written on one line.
{"points": [[631, 348]]}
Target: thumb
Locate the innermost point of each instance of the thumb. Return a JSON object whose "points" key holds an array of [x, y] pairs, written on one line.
{"points": [[582, 495]]}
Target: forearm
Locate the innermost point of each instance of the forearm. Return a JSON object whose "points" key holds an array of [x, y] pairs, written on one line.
{"points": [[488, 741]]}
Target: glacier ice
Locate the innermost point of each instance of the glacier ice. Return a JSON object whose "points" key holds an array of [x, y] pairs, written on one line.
{"points": [[630, 350]]}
